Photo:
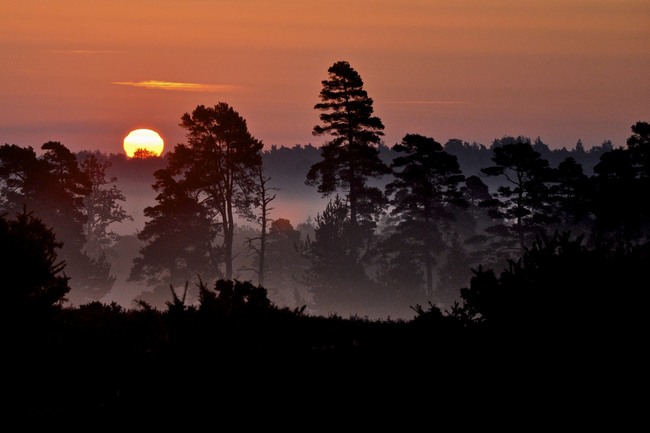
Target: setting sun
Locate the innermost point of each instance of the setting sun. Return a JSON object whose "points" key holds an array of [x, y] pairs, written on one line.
{"points": [[142, 143]]}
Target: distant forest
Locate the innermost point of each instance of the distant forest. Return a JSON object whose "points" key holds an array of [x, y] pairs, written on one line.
{"points": [[120, 181], [422, 254], [288, 264]]}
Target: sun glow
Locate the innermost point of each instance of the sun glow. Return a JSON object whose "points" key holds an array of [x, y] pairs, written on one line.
{"points": [[141, 143]]}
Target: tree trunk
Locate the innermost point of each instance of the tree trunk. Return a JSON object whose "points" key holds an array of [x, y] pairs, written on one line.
{"points": [[260, 272], [229, 230], [428, 264]]}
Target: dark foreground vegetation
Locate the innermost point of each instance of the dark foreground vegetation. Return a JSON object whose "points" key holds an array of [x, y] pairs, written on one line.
{"points": [[236, 349]]}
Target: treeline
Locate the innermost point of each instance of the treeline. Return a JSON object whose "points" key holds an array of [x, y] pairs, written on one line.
{"points": [[401, 226]]}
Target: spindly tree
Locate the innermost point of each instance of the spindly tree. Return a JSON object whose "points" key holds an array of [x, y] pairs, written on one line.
{"points": [[425, 188], [351, 157], [262, 198], [214, 173]]}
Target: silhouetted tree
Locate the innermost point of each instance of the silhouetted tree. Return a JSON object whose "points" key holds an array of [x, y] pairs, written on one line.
{"points": [[219, 166], [21, 172], [143, 154], [351, 157], [90, 277], [32, 281], [571, 197], [337, 278], [622, 184], [476, 193], [179, 238], [638, 145], [426, 185], [262, 200], [207, 181], [523, 201], [54, 187], [542, 148], [508, 140]]}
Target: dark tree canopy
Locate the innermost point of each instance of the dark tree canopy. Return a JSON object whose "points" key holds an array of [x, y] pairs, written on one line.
{"points": [[427, 179]]}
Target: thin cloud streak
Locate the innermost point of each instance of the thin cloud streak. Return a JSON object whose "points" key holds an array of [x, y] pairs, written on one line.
{"points": [[429, 102], [86, 52], [181, 87]]}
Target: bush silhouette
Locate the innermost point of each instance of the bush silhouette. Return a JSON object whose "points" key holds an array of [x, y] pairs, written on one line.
{"points": [[561, 291], [33, 281]]}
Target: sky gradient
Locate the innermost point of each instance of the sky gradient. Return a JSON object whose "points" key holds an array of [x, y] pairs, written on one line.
{"points": [[86, 73]]}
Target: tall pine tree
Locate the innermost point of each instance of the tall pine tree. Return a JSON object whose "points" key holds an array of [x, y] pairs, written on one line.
{"points": [[351, 157]]}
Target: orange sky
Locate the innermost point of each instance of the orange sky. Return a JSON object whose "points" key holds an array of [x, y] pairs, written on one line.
{"points": [[85, 73]]}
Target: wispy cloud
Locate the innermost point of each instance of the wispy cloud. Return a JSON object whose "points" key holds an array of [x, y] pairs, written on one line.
{"points": [[182, 87], [429, 102], [86, 52]]}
